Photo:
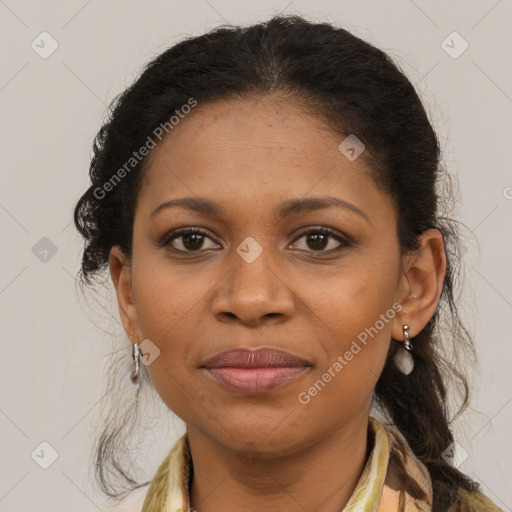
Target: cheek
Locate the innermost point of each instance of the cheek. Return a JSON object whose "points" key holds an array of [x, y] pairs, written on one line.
{"points": [[167, 312], [168, 297], [354, 300], [353, 313], [168, 303]]}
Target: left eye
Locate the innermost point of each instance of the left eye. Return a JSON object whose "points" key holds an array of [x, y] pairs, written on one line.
{"points": [[318, 240]]}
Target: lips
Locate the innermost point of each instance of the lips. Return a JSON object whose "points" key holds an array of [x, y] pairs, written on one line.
{"points": [[260, 358], [255, 371]]}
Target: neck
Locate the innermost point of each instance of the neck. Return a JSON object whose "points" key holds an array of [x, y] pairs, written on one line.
{"points": [[321, 476]]}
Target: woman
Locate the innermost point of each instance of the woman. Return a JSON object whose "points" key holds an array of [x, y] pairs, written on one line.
{"points": [[266, 200]]}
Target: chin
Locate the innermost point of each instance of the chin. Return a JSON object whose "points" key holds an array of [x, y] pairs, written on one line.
{"points": [[261, 431]]}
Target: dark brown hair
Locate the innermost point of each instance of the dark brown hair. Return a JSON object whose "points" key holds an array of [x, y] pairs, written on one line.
{"points": [[358, 90]]}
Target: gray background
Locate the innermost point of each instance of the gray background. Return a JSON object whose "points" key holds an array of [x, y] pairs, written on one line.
{"points": [[53, 342]]}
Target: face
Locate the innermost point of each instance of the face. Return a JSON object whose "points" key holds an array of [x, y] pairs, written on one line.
{"points": [[265, 267]]}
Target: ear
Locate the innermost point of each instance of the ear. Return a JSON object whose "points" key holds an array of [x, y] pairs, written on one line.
{"points": [[421, 284], [120, 272]]}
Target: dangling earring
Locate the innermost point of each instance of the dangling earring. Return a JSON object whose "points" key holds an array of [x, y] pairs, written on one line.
{"points": [[136, 355], [403, 358]]}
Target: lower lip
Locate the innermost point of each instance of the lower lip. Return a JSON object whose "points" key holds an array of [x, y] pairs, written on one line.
{"points": [[255, 380]]}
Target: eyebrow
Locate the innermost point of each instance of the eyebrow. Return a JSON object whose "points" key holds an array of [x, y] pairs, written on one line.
{"points": [[293, 206]]}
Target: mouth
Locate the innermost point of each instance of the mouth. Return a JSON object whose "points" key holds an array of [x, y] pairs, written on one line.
{"points": [[255, 371]]}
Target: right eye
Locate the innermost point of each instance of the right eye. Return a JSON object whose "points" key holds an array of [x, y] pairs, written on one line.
{"points": [[190, 239]]}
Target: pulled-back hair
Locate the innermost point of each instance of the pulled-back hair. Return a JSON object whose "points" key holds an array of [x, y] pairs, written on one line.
{"points": [[357, 89]]}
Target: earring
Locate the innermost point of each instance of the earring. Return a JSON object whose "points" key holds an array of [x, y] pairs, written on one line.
{"points": [[403, 358], [136, 355]]}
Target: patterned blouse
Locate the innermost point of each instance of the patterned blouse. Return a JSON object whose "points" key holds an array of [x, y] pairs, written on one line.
{"points": [[382, 486]]}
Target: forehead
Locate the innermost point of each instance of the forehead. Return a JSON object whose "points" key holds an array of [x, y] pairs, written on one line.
{"points": [[254, 149]]}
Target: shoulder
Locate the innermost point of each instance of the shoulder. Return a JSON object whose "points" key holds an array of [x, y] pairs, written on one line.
{"points": [[404, 463]]}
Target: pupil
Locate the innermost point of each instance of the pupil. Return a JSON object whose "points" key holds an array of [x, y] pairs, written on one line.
{"points": [[196, 243], [317, 241]]}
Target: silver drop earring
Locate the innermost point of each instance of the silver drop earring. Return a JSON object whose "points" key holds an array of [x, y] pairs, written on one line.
{"points": [[403, 358], [136, 355]]}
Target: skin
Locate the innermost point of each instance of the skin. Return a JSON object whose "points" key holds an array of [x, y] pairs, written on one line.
{"points": [[269, 452]]}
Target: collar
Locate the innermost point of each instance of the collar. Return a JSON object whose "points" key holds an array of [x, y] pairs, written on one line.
{"points": [[393, 479]]}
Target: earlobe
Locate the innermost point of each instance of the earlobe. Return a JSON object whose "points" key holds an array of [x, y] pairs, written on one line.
{"points": [[421, 283], [120, 273]]}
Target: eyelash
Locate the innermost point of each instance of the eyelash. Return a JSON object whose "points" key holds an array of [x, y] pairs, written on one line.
{"points": [[173, 235]]}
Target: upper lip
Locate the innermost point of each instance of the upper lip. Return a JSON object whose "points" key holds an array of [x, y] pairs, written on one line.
{"points": [[254, 358]]}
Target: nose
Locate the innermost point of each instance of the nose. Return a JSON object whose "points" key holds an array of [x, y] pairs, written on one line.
{"points": [[253, 293]]}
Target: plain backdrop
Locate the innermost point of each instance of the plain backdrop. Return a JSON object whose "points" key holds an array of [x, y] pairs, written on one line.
{"points": [[53, 346]]}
